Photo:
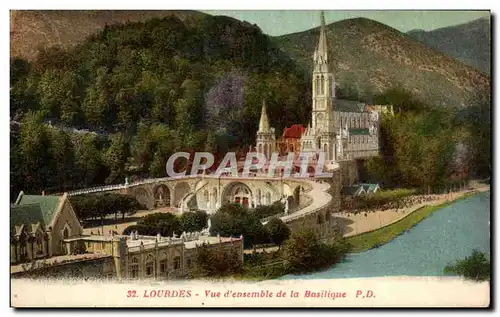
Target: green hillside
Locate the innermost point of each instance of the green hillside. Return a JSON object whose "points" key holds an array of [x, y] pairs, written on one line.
{"points": [[369, 57], [469, 42]]}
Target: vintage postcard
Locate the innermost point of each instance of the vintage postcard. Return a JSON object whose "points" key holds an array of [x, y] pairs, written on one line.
{"points": [[250, 158]]}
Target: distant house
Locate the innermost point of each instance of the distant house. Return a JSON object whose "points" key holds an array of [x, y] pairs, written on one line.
{"points": [[370, 188], [360, 189], [353, 190]]}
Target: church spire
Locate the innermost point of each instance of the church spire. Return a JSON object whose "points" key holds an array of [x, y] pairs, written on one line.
{"points": [[264, 121], [321, 53]]}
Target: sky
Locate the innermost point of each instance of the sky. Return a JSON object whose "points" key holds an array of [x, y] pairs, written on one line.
{"points": [[287, 21]]}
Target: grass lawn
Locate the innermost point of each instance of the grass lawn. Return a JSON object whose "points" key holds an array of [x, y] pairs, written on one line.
{"points": [[376, 238]]}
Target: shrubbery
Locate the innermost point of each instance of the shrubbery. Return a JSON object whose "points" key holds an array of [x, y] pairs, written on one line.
{"points": [[235, 220], [99, 206], [212, 262], [304, 252], [166, 224], [475, 267]]}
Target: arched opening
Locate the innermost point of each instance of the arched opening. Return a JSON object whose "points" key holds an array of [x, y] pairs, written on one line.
{"points": [[268, 198], [150, 264], [181, 190], [66, 233], [214, 198], [239, 193], [163, 264], [39, 243], [142, 197], [162, 196], [206, 198], [134, 268], [23, 246]]}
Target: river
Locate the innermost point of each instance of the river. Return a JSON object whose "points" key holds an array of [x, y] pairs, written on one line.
{"points": [[448, 234]]}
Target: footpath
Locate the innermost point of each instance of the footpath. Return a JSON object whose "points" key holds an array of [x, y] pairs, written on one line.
{"points": [[355, 224]]}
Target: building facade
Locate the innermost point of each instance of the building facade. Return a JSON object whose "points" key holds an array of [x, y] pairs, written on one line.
{"points": [[38, 226], [341, 129], [47, 240]]}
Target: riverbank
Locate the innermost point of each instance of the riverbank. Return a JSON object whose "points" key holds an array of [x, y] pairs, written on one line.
{"points": [[353, 224], [382, 235]]}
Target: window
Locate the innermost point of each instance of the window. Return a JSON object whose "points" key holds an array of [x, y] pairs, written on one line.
{"points": [[189, 263], [177, 262], [134, 271], [134, 268], [149, 269], [39, 243], [163, 266], [150, 266], [24, 250]]}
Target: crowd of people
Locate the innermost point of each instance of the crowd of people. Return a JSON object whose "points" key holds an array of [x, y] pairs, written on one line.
{"points": [[398, 204]]}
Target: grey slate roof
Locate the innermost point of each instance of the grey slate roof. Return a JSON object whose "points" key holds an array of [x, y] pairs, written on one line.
{"points": [[48, 204], [351, 190], [348, 106], [27, 215]]}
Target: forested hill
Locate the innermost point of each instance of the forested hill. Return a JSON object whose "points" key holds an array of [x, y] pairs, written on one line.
{"points": [[469, 42], [34, 30], [370, 57], [164, 85]]}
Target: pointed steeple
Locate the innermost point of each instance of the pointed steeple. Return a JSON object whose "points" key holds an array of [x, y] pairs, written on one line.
{"points": [[264, 121], [321, 52]]}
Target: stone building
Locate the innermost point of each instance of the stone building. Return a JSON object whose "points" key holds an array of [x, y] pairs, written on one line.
{"points": [[131, 257], [38, 226], [47, 239], [341, 129]]}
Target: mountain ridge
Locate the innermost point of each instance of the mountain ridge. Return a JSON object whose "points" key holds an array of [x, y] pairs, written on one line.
{"points": [[374, 57], [370, 57], [468, 42], [32, 30]]}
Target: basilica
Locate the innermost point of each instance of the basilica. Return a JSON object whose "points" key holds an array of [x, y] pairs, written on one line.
{"points": [[341, 129]]}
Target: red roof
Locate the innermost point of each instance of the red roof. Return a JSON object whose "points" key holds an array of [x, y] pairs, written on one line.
{"points": [[294, 132]]}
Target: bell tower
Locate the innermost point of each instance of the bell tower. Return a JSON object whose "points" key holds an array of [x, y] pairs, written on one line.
{"points": [[323, 86], [266, 138]]}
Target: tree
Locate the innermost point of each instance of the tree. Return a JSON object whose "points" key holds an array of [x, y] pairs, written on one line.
{"points": [[34, 149], [88, 160], [193, 221], [278, 231], [213, 261], [165, 224], [475, 267], [233, 220], [63, 158], [305, 252], [115, 158]]}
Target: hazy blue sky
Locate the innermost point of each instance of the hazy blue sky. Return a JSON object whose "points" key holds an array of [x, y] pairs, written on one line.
{"points": [[283, 22]]}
